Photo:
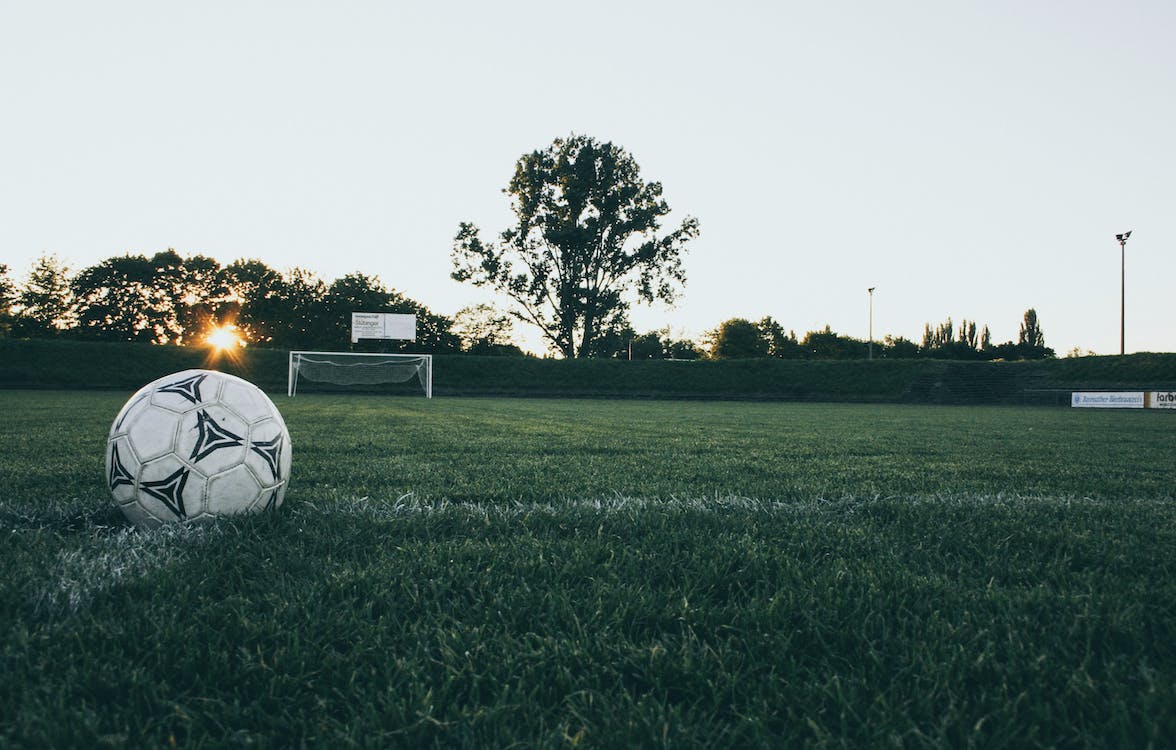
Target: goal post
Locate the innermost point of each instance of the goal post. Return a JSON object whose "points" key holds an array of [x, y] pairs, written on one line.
{"points": [[359, 368]]}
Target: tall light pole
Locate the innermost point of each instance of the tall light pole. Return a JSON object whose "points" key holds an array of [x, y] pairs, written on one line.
{"points": [[871, 292], [1122, 238]]}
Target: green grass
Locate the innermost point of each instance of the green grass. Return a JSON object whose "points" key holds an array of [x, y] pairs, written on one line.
{"points": [[476, 572]]}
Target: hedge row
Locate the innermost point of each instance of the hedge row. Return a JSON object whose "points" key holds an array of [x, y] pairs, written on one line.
{"points": [[94, 365]]}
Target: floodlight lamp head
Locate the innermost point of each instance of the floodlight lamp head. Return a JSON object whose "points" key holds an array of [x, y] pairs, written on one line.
{"points": [[871, 289]]}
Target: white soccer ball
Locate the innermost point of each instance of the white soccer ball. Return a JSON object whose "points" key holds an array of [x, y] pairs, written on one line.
{"points": [[194, 445]]}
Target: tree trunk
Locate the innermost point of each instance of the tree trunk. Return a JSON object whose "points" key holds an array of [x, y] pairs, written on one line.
{"points": [[589, 334]]}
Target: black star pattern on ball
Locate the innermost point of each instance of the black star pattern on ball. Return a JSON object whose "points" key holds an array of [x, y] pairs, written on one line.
{"points": [[211, 437], [169, 491], [118, 473], [271, 451], [188, 387]]}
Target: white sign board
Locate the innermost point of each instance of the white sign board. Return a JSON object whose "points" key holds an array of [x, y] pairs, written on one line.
{"points": [[1161, 399], [1108, 400], [382, 326]]}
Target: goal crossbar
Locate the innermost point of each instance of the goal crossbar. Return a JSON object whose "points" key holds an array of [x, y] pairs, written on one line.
{"points": [[359, 368]]}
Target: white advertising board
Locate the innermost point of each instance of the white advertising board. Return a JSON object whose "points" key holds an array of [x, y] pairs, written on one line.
{"points": [[382, 326], [1161, 399], [1107, 399]]}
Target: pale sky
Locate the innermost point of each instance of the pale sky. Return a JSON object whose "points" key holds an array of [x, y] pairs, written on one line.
{"points": [[968, 159]]}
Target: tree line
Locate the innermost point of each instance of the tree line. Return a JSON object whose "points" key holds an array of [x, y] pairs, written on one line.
{"points": [[587, 242], [739, 338], [169, 299]]}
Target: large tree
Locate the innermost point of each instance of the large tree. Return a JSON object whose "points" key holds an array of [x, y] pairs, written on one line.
{"points": [[1031, 339], [586, 242], [737, 338], [781, 344], [255, 290], [44, 304], [162, 299], [200, 295], [117, 299], [295, 308]]}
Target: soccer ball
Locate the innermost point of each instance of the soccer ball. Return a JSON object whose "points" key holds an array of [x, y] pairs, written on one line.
{"points": [[194, 445]]}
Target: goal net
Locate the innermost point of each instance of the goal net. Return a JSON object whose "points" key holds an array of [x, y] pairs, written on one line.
{"points": [[357, 369]]}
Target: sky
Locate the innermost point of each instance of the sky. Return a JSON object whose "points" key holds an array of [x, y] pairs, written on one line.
{"points": [[966, 158]]}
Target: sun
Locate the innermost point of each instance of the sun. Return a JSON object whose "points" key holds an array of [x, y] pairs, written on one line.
{"points": [[223, 338]]}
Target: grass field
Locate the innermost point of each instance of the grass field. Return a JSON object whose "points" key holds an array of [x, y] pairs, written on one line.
{"points": [[487, 573]]}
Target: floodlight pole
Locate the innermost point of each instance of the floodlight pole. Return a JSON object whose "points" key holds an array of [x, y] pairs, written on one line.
{"points": [[871, 293], [1122, 238]]}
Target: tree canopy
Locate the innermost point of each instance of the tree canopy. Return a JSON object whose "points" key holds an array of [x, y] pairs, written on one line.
{"points": [[486, 330], [586, 242], [44, 302], [1031, 339], [739, 338], [167, 298]]}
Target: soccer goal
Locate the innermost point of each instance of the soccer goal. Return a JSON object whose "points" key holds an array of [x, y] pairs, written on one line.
{"points": [[351, 368]]}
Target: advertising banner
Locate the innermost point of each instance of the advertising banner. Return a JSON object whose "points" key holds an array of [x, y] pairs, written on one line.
{"points": [[382, 326], [1107, 400], [1161, 399]]}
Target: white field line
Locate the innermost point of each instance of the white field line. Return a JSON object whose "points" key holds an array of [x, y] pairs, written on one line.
{"points": [[411, 505], [104, 562]]}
